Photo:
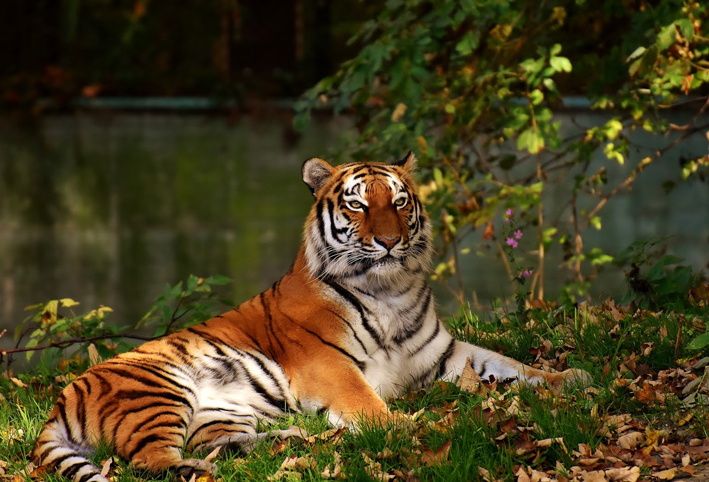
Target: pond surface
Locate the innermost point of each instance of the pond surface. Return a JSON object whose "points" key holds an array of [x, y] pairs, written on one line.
{"points": [[107, 209]]}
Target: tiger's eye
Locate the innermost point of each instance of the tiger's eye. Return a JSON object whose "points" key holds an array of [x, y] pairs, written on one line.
{"points": [[354, 205], [400, 203]]}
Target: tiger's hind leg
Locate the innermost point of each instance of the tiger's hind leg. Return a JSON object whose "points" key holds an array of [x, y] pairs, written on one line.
{"points": [[157, 445], [246, 442]]}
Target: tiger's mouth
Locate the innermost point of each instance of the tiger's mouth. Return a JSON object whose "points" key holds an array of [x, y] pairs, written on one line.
{"points": [[385, 260]]}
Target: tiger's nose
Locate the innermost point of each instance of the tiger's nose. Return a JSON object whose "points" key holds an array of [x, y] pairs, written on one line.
{"points": [[388, 243]]}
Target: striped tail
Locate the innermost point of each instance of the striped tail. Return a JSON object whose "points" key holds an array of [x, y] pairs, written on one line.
{"points": [[56, 450]]}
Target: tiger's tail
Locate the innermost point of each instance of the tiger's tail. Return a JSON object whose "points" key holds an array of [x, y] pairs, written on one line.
{"points": [[56, 449]]}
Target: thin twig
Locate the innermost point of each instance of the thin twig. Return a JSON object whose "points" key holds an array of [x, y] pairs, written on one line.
{"points": [[72, 341], [638, 169]]}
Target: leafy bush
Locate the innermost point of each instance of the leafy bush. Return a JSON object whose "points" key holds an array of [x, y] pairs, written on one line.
{"points": [[54, 326], [476, 88]]}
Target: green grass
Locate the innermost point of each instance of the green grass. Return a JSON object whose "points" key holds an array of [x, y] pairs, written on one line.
{"points": [[458, 435]]}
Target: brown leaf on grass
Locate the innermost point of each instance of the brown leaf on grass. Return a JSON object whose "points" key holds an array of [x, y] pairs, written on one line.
{"points": [[18, 382], [213, 454], [336, 472], [649, 394], [293, 466], [631, 440], [409, 476], [593, 476], [469, 381], [431, 458], [522, 475], [538, 476], [668, 474], [485, 474], [623, 474], [106, 466], [374, 470]]}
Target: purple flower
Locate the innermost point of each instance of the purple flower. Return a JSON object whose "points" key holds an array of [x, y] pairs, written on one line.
{"points": [[518, 234], [508, 213], [528, 272], [512, 242]]}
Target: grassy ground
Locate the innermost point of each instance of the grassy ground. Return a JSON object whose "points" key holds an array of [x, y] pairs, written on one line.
{"points": [[646, 414]]}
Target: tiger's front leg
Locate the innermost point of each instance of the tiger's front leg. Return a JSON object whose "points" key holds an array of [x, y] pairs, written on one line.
{"points": [[486, 363], [337, 385]]}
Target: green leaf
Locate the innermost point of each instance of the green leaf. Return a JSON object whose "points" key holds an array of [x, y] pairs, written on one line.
{"points": [[218, 280], [468, 43], [700, 342], [536, 97], [596, 222], [438, 176], [450, 108], [686, 27], [560, 64], [636, 53], [531, 140], [666, 37]]}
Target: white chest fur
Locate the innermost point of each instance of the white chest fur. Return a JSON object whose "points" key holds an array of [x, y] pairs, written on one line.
{"points": [[403, 320]]}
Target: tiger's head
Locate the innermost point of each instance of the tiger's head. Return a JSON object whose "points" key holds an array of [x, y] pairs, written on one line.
{"points": [[366, 221]]}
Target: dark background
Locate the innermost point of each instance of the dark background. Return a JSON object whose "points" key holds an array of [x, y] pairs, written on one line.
{"points": [[240, 50]]}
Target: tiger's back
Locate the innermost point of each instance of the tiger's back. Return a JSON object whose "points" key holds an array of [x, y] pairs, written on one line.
{"points": [[352, 322]]}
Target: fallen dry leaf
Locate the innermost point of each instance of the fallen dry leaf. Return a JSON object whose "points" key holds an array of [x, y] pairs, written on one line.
{"points": [[623, 474], [106, 466], [293, 466], [374, 470], [430, 458], [631, 440], [336, 472], [213, 454], [668, 474], [469, 381]]}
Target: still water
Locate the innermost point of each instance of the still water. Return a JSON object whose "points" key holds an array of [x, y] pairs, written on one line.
{"points": [[107, 209]]}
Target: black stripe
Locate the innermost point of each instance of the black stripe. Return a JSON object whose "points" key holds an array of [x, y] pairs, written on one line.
{"points": [[57, 462], [160, 373], [359, 364], [256, 385], [125, 414], [334, 232], [354, 332], [152, 438], [270, 333], [74, 468], [483, 369], [269, 374], [86, 477], [65, 421], [428, 340], [210, 424], [441, 363], [80, 408], [137, 394], [352, 300], [86, 383], [418, 321]]}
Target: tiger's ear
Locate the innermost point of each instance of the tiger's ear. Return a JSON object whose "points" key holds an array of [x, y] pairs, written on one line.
{"points": [[408, 162], [316, 172]]}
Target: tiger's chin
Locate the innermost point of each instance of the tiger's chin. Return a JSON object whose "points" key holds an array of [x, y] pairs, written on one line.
{"points": [[386, 267]]}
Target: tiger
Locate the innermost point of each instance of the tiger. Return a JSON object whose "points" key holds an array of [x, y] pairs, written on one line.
{"points": [[351, 324]]}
